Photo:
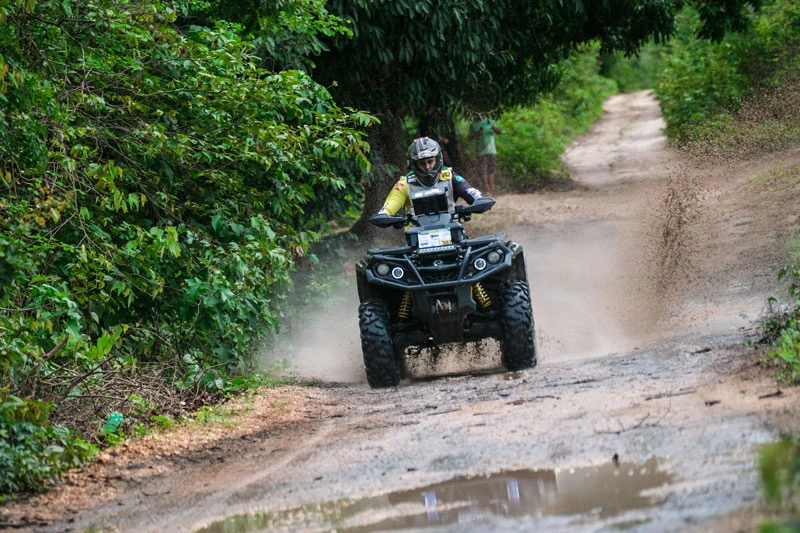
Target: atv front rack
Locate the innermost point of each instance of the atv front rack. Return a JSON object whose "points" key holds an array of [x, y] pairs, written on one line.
{"points": [[468, 262]]}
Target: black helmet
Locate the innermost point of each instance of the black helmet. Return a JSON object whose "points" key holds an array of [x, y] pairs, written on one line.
{"points": [[423, 148]]}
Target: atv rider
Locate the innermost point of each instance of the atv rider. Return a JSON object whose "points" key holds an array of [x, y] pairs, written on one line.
{"points": [[427, 171]]}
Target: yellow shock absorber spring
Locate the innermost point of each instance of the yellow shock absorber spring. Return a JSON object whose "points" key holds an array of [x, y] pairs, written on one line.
{"points": [[405, 305], [481, 295]]}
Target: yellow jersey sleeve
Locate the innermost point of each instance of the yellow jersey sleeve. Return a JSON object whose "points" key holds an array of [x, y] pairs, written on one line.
{"points": [[397, 199]]}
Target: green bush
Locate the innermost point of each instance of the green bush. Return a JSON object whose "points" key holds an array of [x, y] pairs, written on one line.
{"points": [[700, 78], [154, 212], [774, 47], [782, 331], [740, 91], [32, 452], [533, 141], [779, 466]]}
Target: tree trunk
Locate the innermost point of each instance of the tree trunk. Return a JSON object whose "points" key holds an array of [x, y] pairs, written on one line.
{"points": [[388, 156]]}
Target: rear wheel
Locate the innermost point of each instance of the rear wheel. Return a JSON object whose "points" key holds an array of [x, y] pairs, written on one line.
{"points": [[516, 317], [377, 346]]}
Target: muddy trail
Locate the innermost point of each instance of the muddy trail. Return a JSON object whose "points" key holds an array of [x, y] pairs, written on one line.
{"points": [[645, 413]]}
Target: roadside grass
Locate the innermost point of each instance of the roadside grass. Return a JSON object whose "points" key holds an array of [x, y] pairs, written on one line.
{"points": [[789, 175], [781, 329], [221, 414], [759, 126], [34, 452], [737, 97], [779, 466], [779, 462]]}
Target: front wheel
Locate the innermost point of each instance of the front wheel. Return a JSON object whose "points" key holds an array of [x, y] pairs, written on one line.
{"points": [[377, 346], [516, 317]]}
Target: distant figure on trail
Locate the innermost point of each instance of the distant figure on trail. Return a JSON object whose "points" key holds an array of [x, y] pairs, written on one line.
{"points": [[483, 131]]}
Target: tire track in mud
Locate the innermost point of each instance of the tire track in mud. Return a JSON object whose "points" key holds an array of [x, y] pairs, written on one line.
{"points": [[257, 472]]}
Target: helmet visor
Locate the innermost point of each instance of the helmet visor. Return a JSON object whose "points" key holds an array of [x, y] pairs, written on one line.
{"points": [[426, 163], [427, 170]]}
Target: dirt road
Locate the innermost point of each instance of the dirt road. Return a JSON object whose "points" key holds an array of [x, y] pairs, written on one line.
{"points": [[645, 412]]}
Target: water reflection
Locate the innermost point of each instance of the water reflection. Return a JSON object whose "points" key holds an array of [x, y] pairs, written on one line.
{"points": [[605, 491]]}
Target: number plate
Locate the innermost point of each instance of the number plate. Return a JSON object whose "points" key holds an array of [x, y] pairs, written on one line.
{"points": [[434, 237]]}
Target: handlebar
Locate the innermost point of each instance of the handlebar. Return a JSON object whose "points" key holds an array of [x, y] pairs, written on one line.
{"points": [[462, 212]]}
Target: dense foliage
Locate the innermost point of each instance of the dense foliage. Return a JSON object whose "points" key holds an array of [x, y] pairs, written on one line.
{"points": [[701, 78], [782, 330], [473, 55], [706, 84], [156, 185]]}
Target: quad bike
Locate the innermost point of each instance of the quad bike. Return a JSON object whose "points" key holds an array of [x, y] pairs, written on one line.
{"points": [[441, 288]]}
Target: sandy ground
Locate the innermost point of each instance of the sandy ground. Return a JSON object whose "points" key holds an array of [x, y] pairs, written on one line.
{"points": [[645, 413]]}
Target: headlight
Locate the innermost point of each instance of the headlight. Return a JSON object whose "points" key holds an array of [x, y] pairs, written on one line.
{"points": [[479, 264], [494, 257], [397, 273], [382, 269]]}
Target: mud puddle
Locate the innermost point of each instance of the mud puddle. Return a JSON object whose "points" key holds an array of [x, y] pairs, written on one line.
{"points": [[600, 491]]}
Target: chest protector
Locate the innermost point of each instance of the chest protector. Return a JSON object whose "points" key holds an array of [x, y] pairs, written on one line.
{"points": [[431, 197]]}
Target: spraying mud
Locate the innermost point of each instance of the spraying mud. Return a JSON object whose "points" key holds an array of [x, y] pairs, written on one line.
{"points": [[645, 413]]}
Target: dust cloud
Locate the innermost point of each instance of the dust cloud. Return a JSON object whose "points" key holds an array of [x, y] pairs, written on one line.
{"points": [[592, 252], [322, 346], [325, 346]]}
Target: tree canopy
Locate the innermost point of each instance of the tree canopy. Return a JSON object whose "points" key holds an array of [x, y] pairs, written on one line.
{"points": [[407, 55], [155, 186]]}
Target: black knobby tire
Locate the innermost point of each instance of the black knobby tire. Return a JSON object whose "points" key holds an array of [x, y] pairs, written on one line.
{"points": [[380, 361], [516, 317]]}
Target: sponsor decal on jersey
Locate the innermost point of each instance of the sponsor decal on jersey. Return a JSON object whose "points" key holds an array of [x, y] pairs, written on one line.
{"points": [[475, 193], [426, 193]]}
